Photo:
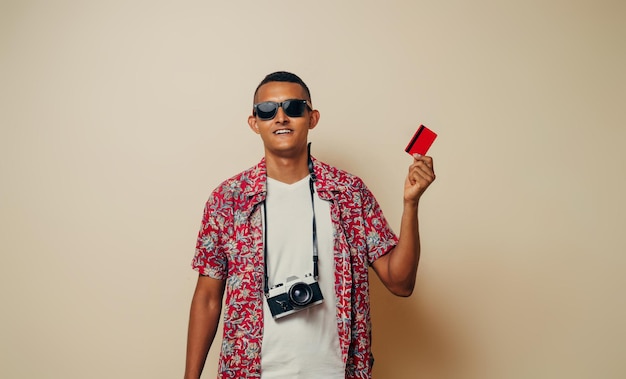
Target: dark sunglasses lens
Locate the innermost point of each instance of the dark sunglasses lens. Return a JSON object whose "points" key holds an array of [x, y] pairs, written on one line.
{"points": [[266, 110], [294, 108]]}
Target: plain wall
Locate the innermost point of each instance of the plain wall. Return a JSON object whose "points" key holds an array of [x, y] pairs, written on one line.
{"points": [[119, 117]]}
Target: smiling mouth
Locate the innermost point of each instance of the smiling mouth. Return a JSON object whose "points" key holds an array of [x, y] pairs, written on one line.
{"points": [[283, 131]]}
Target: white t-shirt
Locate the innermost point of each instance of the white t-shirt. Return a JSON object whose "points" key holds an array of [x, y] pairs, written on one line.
{"points": [[303, 345]]}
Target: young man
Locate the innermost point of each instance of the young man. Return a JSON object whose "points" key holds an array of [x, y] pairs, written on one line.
{"points": [[290, 241]]}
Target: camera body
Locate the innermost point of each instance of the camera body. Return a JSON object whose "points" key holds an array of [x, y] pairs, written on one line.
{"points": [[294, 295]]}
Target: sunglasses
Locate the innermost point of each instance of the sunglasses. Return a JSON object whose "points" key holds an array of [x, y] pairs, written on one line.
{"points": [[293, 108]]}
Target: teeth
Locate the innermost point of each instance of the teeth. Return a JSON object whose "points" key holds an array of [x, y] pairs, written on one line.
{"points": [[282, 131]]}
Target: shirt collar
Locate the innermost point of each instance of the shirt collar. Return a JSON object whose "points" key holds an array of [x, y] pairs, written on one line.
{"points": [[256, 178], [326, 184]]}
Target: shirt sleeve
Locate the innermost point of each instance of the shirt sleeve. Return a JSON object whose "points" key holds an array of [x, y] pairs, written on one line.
{"points": [[379, 237], [210, 258]]}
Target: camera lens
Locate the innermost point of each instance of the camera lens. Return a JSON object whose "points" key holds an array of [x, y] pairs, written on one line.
{"points": [[300, 294]]}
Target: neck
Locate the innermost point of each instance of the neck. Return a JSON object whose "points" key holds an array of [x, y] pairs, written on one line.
{"points": [[287, 170]]}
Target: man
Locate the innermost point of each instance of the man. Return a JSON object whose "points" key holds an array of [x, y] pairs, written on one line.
{"points": [[293, 219]]}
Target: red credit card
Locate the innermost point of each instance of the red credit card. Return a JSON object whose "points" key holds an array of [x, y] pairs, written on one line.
{"points": [[421, 141]]}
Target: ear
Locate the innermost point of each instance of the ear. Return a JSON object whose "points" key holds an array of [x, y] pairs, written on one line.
{"points": [[253, 125], [314, 118]]}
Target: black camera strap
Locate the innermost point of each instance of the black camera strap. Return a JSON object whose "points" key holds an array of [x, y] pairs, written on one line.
{"points": [[312, 179]]}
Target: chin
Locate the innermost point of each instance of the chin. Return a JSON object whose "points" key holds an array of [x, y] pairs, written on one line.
{"points": [[285, 151]]}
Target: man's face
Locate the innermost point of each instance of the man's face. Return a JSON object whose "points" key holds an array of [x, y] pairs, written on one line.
{"points": [[283, 136]]}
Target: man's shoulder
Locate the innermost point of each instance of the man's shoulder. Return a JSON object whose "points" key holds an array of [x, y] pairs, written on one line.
{"points": [[248, 181], [339, 177]]}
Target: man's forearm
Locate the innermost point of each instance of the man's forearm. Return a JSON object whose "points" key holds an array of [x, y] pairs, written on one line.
{"points": [[397, 268], [404, 258], [203, 320], [401, 266]]}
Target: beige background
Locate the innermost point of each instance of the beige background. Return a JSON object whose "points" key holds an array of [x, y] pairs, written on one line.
{"points": [[119, 117]]}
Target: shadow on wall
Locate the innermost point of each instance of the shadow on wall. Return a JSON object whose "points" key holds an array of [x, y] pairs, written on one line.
{"points": [[411, 339]]}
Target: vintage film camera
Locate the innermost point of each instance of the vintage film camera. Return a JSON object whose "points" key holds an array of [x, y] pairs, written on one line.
{"points": [[294, 295]]}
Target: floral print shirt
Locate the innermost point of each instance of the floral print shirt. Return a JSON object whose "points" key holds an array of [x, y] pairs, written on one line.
{"points": [[230, 247]]}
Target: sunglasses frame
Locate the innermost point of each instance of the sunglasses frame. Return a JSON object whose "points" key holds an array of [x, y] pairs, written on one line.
{"points": [[255, 111]]}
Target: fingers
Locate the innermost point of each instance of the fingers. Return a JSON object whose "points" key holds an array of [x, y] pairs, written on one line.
{"points": [[423, 158], [422, 169], [421, 174]]}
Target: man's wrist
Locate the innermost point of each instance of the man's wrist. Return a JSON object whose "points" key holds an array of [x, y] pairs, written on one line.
{"points": [[411, 205]]}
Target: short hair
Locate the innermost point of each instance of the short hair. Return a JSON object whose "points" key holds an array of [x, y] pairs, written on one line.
{"points": [[283, 76]]}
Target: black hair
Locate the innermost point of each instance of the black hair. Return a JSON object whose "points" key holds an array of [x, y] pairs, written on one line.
{"points": [[284, 76]]}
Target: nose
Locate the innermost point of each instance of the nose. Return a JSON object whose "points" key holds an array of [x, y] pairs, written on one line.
{"points": [[281, 117]]}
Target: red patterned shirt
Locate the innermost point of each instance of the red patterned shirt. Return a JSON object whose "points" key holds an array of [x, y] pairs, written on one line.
{"points": [[230, 247]]}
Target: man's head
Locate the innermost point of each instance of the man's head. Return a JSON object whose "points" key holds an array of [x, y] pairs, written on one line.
{"points": [[283, 114], [284, 76]]}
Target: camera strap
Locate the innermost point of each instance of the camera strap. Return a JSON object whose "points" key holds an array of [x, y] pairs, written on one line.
{"points": [[312, 179]]}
